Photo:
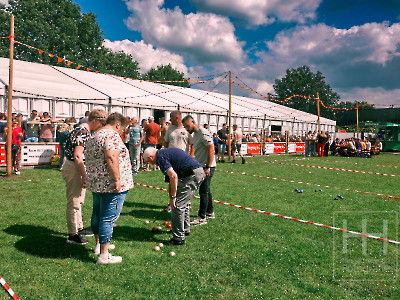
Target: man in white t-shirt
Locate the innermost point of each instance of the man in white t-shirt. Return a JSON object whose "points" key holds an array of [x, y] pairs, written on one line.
{"points": [[176, 135], [204, 153], [237, 143]]}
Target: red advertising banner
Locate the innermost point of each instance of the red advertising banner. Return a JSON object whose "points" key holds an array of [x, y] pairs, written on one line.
{"points": [[279, 147], [300, 147], [2, 154], [253, 148]]}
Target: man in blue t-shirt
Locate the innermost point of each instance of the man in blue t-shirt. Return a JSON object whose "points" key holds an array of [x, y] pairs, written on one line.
{"points": [[135, 141], [185, 174]]}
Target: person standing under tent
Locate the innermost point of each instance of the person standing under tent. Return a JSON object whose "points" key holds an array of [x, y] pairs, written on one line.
{"points": [[153, 132], [321, 141], [109, 178], [177, 136], [164, 128], [17, 134], [135, 142], [237, 143], [222, 136], [74, 175], [204, 153], [184, 174]]}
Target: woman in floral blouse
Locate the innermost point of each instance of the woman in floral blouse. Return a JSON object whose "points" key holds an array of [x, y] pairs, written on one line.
{"points": [[74, 175], [109, 177]]}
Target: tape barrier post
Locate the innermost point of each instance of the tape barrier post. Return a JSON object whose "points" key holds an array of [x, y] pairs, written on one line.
{"points": [[288, 218], [8, 289]]}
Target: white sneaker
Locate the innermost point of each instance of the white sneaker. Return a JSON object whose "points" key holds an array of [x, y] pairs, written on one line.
{"points": [[198, 221], [17, 173], [211, 216], [97, 248], [110, 259]]}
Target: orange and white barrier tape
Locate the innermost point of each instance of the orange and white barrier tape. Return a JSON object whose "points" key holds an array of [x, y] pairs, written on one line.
{"points": [[288, 218], [339, 169], [8, 289], [313, 184]]}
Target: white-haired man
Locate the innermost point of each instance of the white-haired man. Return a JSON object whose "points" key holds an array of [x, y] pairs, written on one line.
{"points": [[184, 174]]}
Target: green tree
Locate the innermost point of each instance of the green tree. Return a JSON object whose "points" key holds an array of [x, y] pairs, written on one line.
{"points": [[302, 81], [166, 73], [60, 28]]}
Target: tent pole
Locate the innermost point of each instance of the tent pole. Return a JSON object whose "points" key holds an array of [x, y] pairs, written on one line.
{"points": [[10, 91], [109, 105], [230, 116]]}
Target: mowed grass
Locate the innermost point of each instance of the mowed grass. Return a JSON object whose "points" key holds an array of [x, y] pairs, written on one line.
{"points": [[238, 255]]}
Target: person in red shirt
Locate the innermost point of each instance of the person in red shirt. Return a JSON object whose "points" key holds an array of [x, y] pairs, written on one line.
{"points": [[16, 145], [153, 132]]}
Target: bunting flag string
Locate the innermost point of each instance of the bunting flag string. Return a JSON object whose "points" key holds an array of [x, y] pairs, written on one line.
{"points": [[242, 85], [78, 66]]}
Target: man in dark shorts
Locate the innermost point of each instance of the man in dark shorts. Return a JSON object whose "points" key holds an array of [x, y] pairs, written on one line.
{"points": [[222, 136], [184, 174]]}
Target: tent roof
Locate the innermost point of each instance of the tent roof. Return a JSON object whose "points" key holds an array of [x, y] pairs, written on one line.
{"points": [[44, 81]]}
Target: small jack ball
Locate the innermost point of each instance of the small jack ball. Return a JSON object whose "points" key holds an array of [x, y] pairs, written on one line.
{"points": [[159, 228], [165, 222], [160, 245], [169, 226], [156, 248], [146, 222], [172, 253]]}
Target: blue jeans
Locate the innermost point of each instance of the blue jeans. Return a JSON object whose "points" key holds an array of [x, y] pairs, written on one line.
{"points": [[106, 210], [32, 139], [206, 204], [221, 148]]}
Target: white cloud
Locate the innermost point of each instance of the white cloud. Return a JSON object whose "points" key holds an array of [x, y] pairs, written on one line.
{"points": [[204, 37], [259, 12], [373, 95], [360, 63], [373, 42], [147, 56]]}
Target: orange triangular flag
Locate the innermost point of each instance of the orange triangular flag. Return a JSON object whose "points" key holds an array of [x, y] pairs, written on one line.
{"points": [[78, 67], [69, 63], [40, 51], [87, 69], [59, 59], [51, 55]]}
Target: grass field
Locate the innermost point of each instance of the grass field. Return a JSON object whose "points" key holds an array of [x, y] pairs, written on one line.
{"points": [[240, 254]]}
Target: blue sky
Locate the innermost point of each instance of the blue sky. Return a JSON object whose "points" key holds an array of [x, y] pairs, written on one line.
{"points": [[354, 43]]}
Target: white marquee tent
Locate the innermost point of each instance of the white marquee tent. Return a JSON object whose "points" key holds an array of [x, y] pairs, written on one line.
{"points": [[69, 92]]}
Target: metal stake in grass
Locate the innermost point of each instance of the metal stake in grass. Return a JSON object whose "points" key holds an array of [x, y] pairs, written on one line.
{"points": [[160, 213]]}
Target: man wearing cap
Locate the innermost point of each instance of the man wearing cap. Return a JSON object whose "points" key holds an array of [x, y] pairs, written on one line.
{"points": [[184, 174], [204, 153]]}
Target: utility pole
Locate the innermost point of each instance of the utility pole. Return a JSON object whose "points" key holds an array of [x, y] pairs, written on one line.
{"points": [[230, 116], [319, 122], [358, 128], [9, 104]]}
